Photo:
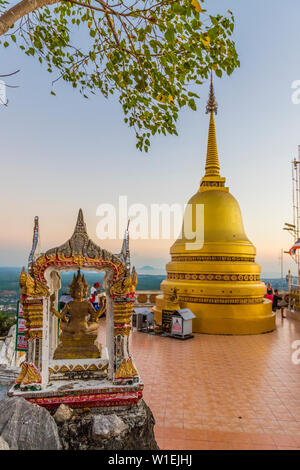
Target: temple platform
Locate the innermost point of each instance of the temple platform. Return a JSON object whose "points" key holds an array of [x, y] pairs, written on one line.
{"points": [[223, 392], [213, 392]]}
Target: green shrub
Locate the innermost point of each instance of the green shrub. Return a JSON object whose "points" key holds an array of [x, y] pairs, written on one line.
{"points": [[6, 322]]}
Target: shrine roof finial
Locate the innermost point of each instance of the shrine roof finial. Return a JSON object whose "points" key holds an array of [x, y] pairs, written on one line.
{"points": [[80, 226]]}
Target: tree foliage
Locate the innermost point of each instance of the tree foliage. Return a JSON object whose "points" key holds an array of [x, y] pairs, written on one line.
{"points": [[6, 322], [151, 53]]}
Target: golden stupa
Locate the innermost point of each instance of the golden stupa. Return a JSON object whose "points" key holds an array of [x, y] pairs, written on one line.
{"points": [[220, 281]]}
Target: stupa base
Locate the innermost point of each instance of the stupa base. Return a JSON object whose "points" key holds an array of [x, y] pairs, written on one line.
{"points": [[229, 319]]}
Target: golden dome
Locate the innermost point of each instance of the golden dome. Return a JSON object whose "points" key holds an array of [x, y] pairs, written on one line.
{"points": [[223, 228]]}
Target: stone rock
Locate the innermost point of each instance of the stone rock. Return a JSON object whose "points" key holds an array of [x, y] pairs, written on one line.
{"points": [[8, 374], [63, 413], [3, 444], [104, 427], [7, 352], [25, 426]]}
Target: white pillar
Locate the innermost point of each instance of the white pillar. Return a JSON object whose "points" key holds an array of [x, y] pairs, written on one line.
{"points": [[110, 333], [45, 343], [53, 326]]}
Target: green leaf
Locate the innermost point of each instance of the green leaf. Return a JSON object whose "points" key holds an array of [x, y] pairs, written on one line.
{"points": [[192, 104], [170, 35]]}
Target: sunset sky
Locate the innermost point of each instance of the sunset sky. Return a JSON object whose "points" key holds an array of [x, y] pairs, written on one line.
{"points": [[62, 153]]}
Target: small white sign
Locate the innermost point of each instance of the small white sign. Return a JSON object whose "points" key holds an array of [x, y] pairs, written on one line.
{"points": [[21, 325], [177, 325]]}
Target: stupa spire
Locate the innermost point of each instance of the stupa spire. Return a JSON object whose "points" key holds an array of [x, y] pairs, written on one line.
{"points": [[212, 166], [212, 105]]}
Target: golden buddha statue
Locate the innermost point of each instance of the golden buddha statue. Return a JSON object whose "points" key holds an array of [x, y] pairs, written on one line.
{"points": [[78, 323]]}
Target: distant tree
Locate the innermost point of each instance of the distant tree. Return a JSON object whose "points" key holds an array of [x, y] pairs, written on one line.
{"points": [[6, 322], [146, 51]]}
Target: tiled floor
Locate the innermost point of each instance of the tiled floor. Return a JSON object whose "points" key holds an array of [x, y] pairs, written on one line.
{"points": [[223, 392]]}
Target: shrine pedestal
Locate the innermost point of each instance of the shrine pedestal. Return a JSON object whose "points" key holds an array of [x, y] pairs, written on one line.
{"points": [[79, 369], [83, 394]]}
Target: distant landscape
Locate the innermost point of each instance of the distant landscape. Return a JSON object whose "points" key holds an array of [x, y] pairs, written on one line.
{"points": [[9, 279], [9, 284], [10, 292]]}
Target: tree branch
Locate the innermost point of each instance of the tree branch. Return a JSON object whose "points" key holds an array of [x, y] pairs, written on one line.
{"points": [[9, 74], [22, 8]]}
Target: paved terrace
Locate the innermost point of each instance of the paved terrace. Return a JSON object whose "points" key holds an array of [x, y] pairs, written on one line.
{"points": [[223, 392]]}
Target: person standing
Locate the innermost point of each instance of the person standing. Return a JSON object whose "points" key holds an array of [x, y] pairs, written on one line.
{"points": [[269, 294], [276, 298], [95, 291], [269, 289], [95, 288]]}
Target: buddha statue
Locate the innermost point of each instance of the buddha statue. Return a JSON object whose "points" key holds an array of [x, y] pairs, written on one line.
{"points": [[78, 324]]}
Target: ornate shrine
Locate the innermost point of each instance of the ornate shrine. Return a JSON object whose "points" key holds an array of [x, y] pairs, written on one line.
{"points": [[65, 361]]}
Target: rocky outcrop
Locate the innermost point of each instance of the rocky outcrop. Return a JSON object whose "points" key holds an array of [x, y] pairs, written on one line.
{"points": [[107, 426], [3, 444], [7, 352], [62, 414], [8, 374], [4, 387], [25, 426], [130, 429]]}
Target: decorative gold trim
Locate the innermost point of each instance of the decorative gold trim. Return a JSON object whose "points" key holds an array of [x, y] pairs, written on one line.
{"points": [[222, 300], [33, 314], [126, 370], [122, 331], [214, 277], [125, 286], [31, 287], [122, 312], [77, 368], [232, 259], [79, 251], [29, 375], [60, 261]]}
